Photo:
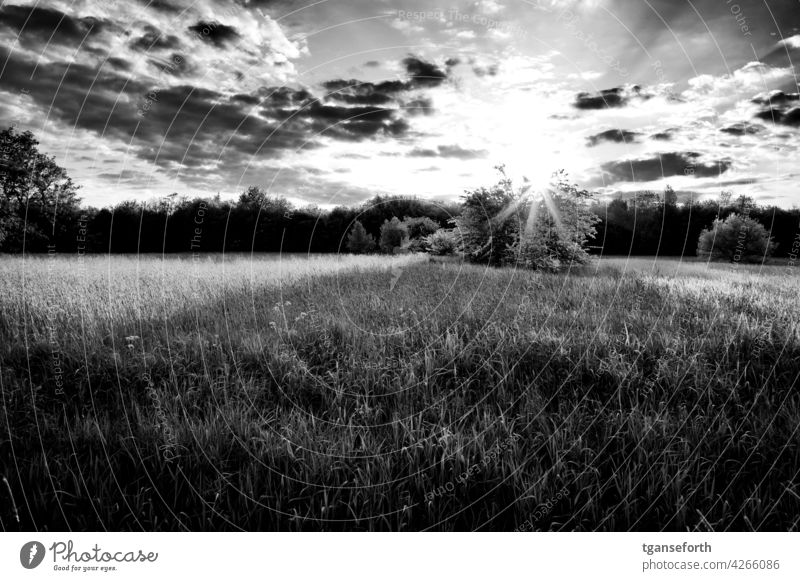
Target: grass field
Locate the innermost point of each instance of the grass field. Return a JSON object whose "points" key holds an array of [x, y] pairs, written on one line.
{"points": [[349, 393]]}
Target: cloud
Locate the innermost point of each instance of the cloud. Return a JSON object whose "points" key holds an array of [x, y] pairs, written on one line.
{"points": [[359, 93], [743, 128], [612, 135], [421, 105], [423, 73], [152, 39], [775, 98], [792, 42], [663, 165], [665, 135], [192, 125], [215, 33], [449, 151], [162, 6], [608, 98], [37, 26], [790, 117], [730, 88]]}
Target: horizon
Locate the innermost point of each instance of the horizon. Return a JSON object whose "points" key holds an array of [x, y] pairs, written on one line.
{"points": [[333, 103]]}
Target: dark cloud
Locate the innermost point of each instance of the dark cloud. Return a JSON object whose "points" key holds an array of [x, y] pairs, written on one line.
{"points": [[603, 100], [162, 6], [423, 73], [176, 65], [665, 135], [214, 33], [153, 39], [790, 117], [119, 64], [282, 97], [372, 64], [190, 125], [352, 123], [487, 71], [451, 151], [775, 98], [612, 135], [356, 93], [743, 128], [420, 106], [609, 98], [664, 165], [268, 4], [63, 90], [37, 26]]}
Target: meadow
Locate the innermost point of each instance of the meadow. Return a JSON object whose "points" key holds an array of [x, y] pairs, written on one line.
{"points": [[228, 392]]}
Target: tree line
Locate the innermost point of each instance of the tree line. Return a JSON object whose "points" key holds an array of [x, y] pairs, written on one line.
{"points": [[40, 211]]}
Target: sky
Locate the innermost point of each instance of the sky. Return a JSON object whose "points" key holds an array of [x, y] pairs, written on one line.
{"points": [[330, 102]]}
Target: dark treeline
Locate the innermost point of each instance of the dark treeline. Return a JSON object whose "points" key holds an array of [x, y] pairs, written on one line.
{"points": [[255, 222], [651, 224], [40, 211], [645, 224]]}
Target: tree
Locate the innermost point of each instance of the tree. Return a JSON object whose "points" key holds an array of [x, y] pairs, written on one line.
{"points": [[645, 199], [37, 198], [393, 235], [489, 221], [559, 224], [359, 241], [442, 242], [744, 204], [544, 230], [419, 229], [670, 197], [735, 238]]}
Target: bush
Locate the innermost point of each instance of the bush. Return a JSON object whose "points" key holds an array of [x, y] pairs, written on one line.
{"points": [[547, 231], [489, 222], [359, 241], [393, 235], [419, 228], [555, 237], [735, 238], [442, 242]]}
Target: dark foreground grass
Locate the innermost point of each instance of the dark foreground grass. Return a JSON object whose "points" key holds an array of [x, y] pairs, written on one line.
{"points": [[455, 398]]}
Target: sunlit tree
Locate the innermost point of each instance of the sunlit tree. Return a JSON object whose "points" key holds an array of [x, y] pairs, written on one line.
{"points": [[37, 197], [547, 229]]}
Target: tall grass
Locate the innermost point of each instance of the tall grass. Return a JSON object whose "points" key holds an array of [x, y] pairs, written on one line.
{"points": [[394, 394]]}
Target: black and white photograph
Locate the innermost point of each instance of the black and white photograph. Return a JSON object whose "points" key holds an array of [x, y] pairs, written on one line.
{"points": [[355, 266]]}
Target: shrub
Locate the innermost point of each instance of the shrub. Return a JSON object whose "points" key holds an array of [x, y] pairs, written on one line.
{"points": [[359, 241], [735, 238], [489, 222], [419, 228], [546, 231], [393, 235], [558, 225], [442, 242]]}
